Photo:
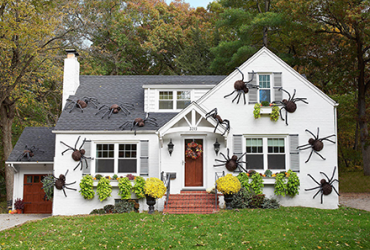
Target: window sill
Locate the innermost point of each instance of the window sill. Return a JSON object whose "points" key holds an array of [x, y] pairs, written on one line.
{"points": [[113, 183], [265, 110]]}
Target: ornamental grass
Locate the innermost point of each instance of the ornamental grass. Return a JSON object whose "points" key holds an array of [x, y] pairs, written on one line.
{"points": [[155, 188], [228, 184]]}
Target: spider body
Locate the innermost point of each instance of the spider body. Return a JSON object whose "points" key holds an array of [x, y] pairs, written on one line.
{"points": [[28, 153], [78, 154], [219, 120], [289, 104], [81, 104], [60, 183], [316, 144], [232, 163], [325, 186], [139, 122], [241, 87], [115, 108]]}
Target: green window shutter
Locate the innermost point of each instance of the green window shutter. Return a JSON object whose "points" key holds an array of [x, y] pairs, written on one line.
{"points": [[294, 153], [253, 93], [144, 158], [278, 84]]}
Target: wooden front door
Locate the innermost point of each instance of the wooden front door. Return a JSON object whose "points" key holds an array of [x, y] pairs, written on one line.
{"points": [[34, 198], [193, 167]]}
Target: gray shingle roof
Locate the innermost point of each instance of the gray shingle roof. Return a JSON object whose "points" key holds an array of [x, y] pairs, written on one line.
{"points": [[111, 90], [39, 137]]}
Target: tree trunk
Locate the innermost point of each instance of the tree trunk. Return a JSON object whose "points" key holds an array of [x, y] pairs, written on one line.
{"points": [[7, 113]]}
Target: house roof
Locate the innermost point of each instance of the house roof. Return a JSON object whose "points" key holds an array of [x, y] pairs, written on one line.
{"points": [[111, 90], [38, 137]]}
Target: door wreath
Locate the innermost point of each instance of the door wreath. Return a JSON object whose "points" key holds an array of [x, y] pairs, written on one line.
{"points": [[193, 150]]}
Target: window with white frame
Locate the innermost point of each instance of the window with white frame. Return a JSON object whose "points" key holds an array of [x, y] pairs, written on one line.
{"points": [[266, 153], [116, 158], [265, 88], [174, 100]]}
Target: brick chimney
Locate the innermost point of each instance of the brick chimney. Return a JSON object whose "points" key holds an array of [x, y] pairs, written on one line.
{"points": [[71, 76]]}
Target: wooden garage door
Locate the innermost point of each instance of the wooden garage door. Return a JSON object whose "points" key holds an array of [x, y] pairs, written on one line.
{"points": [[34, 197]]}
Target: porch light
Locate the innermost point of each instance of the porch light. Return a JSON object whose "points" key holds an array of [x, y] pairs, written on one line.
{"points": [[170, 147], [216, 146]]}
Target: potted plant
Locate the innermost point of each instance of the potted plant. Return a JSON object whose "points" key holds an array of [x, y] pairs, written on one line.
{"points": [[19, 205], [154, 188], [228, 185]]}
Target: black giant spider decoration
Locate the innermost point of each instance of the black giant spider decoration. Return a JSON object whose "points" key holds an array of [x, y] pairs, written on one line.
{"points": [[78, 154], [81, 104], [139, 122], [28, 153], [60, 183], [325, 187], [289, 105], [231, 163], [242, 87], [315, 144], [214, 115], [115, 108]]}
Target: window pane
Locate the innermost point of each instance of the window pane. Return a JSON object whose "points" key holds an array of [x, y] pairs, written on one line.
{"points": [[127, 165], [183, 95], [254, 145], [127, 151], [36, 179], [104, 165], [276, 145], [255, 161], [165, 104], [276, 161], [29, 179], [265, 95], [165, 95], [105, 150], [182, 104], [264, 81]]}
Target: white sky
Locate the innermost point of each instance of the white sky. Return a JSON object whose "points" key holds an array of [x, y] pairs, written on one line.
{"points": [[196, 3]]}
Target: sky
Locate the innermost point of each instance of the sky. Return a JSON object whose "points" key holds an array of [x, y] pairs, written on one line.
{"points": [[196, 3]]}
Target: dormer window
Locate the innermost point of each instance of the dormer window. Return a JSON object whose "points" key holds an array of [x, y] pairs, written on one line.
{"points": [[265, 91], [174, 100]]}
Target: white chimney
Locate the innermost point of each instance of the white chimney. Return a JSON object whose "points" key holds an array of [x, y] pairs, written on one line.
{"points": [[71, 76]]}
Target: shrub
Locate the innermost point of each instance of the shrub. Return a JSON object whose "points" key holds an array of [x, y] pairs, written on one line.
{"points": [[138, 188], [104, 189], [241, 199], [268, 173], [114, 177], [18, 204], [257, 183], [280, 185], [275, 113], [48, 186], [124, 207], [130, 177], [257, 201], [270, 204], [154, 187], [108, 209], [293, 184], [265, 103], [228, 184], [87, 187], [244, 180], [124, 186], [98, 211]]}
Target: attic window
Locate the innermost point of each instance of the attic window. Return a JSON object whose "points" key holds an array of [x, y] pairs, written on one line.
{"points": [[174, 100], [264, 83]]}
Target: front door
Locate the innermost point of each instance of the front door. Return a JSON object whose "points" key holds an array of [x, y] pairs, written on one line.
{"points": [[34, 198], [193, 167]]}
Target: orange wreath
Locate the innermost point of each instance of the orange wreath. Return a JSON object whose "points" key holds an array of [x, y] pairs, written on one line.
{"points": [[193, 150]]}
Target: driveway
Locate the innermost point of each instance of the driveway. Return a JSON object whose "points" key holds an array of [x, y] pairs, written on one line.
{"points": [[11, 220]]}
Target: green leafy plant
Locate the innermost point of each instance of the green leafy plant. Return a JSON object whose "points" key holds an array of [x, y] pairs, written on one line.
{"points": [[19, 204], [138, 188], [268, 173], [87, 187], [114, 177], [48, 187], [257, 111], [244, 180], [257, 201], [293, 184], [124, 207], [104, 189], [274, 116], [270, 204], [98, 211], [228, 184], [257, 183], [280, 184], [265, 103], [98, 176], [109, 209], [242, 198], [124, 186]]}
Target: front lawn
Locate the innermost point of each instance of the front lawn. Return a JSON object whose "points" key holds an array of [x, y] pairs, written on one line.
{"points": [[284, 228]]}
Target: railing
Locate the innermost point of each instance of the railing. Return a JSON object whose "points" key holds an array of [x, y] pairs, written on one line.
{"points": [[217, 175], [167, 182]]}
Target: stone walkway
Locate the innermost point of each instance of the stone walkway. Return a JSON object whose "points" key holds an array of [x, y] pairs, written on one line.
{"points": [[11, 220], [355, 200]]}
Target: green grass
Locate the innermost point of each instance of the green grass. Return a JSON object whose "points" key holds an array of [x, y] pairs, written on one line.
{"points": [[354, 182], [284, 228]]}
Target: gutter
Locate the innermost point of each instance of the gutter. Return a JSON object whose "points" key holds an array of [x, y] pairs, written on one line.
{"points": [[104, 132], [12, 166], [27, 163]]}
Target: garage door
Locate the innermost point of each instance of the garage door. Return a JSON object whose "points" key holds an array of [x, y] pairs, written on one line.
{"points": [[34, 198]]}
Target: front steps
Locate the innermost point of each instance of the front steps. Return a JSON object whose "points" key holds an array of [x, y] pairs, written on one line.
{"points": [[191, 202]]}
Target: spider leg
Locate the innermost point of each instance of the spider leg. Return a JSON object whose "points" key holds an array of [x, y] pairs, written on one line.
{"points": [[228, 155], [110, 114], [69, 183], [28, 156], [308, 189], [67, 150], [319, 155], [318, 130], [240, 166], [107, 112], [309, 156], [317, 193], [21, 156], [227, 126], [331, 182], [219, 165], [311, 133], [77, 141], [237, 95], [281, 114], [327, 140], [49, 185], [242, 156], [83, 142], [303, 147], [240, 73], [216, 126], [125, 110], [325, 176], [335, 190], [210, 113], [78, 165], [245, 102], [100, 109], [64, 192], [124, 125], [226, 159], [314, 179], [66, 173], [251, 78], [286, 92], [229, 94], [293, 95], [220, 160], [286, 117], [71, 188], [87, 165], [152, 122], [300, 99], [322, 195]]}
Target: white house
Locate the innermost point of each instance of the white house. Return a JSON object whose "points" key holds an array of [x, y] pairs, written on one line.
{"points": [[180, 104]]}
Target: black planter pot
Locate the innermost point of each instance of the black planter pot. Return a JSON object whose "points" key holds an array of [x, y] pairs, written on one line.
{"points": [[228, 198], [150, 201]]}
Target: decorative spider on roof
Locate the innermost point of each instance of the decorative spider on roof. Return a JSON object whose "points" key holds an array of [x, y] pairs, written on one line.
{"points": [[139, 122], [214, 115], [115, 108], [242, 87], [315, 144], [60, 183], [289, 105], [81, 104], [231, 163], [78, 154], [28, 153], [325, 187]]}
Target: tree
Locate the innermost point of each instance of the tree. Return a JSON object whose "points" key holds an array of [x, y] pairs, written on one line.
{"points": [[342, 27], [28, 37]]}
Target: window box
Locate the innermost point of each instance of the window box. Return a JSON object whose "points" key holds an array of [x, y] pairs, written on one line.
{"points": [[114, 184], [266, 110]]}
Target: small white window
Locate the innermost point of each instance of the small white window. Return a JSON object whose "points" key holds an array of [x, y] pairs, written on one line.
{"points": [[174, 100], [265, 88]]}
